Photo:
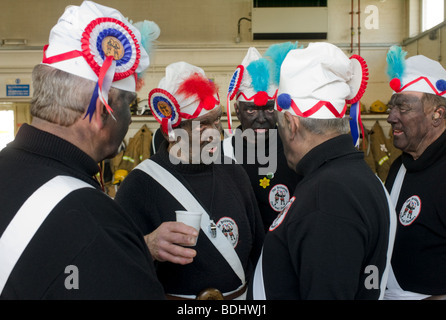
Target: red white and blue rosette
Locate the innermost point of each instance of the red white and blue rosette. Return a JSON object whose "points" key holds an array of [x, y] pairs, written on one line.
{"points": [[112, 51], [126, 47], [165, 109], [234, 86], [236, 79]]}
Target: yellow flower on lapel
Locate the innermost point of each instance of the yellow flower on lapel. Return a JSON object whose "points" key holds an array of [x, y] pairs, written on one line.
{"points": [[264, 182]]}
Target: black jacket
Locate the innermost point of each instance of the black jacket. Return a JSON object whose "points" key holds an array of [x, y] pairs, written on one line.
{"points": [[336, 225], [87, 229]]}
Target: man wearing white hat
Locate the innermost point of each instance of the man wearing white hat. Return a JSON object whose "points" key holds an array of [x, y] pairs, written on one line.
{"points": [[334, 237], [417, 179], [185, 174], [256, 144], [61, 236]]}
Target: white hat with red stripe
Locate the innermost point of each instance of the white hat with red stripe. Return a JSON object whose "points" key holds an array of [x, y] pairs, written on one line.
{"points": [[257, 78], [319, 81], [97, 43], [184, 93], [417, 73]]}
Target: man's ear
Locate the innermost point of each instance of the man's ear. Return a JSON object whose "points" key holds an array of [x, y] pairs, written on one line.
{"points": [[99, 116], [439, 115], [291, 123]]}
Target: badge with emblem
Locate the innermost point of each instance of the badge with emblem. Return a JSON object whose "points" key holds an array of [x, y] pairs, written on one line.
{"points": [[111, 49], [166, 109], [279, 195], [230, 230], [410, 211]]}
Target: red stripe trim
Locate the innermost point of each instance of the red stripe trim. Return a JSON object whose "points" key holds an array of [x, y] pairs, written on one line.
{"points": [[317, 107], [199, 109], [252, 98], [60, 57], [428, 82]]}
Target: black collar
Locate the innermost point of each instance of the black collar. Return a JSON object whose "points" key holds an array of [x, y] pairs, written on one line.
{"points": [[327, 151], [49, 146]]}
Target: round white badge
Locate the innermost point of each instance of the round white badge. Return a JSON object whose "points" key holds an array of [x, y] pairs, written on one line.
{"points": [[230, 230], [279, 195], [410, 210]]}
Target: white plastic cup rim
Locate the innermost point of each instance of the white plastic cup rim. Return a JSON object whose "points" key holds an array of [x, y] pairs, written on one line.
{"points": [[190, 218]]}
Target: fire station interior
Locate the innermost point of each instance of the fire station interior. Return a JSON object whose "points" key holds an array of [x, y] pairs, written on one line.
{"points": [[215, 35]]}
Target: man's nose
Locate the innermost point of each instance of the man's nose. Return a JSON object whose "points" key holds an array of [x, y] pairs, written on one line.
{"points": [[392, 118], [261, 118]]}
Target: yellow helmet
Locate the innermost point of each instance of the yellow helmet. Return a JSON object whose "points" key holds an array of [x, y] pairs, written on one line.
{"points": [[120, 174], [378, 107]]}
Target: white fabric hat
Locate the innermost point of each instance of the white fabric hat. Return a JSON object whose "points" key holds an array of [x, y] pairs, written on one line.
{"points": [[260, 71], [418, 73], [319, 81], [97, 43], [257, 78], [184, 93]]}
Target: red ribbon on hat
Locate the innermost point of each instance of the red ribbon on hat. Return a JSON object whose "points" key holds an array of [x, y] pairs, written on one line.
{"points": [[106, 74], [315, 109], [396, 89]]}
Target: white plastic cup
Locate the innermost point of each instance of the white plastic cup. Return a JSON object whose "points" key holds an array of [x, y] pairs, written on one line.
{"points": [[190, 218]]}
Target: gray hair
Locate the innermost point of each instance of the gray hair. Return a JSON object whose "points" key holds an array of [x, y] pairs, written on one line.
{"points": [[325, 126], [59, 97], [62, 98]]}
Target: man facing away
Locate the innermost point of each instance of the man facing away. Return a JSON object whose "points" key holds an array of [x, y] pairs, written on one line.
{"points": [[61, 236], [334, 238]]}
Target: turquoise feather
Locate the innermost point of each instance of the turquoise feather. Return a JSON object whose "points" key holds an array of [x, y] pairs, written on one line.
{"points": [[396, 63], [150, 31], [277, 54], [259, 72]]}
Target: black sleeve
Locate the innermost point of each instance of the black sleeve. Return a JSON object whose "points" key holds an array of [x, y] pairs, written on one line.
{"points": [[134, 196]]}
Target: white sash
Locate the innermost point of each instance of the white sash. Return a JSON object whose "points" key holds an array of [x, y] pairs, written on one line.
{"points": [[188, 201], [258, 286], [394, 290], [392, 232], [29, 218], [228, 150]]}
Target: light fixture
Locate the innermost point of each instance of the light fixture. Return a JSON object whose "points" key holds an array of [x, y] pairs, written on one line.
{"points": [[238, 38], [14, 42]]}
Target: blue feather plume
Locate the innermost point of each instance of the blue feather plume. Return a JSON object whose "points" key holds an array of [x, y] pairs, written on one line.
{"points": [[396, 63], [150, 31], [259, 72], [277, 54]]}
